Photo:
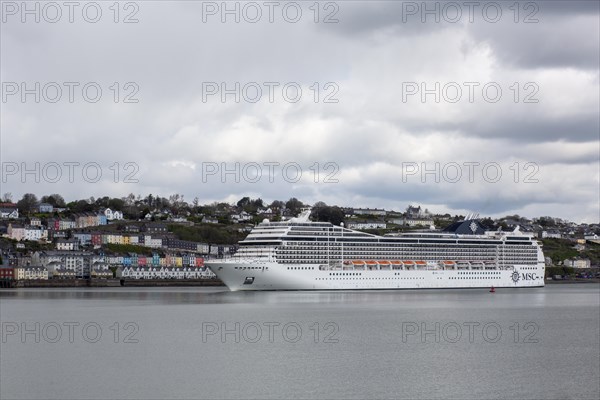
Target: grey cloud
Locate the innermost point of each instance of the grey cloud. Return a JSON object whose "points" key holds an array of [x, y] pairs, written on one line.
{"points": [[170, 53]]}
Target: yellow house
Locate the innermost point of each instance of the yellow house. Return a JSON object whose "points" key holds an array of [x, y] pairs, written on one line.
{"points": [[29, 272]]}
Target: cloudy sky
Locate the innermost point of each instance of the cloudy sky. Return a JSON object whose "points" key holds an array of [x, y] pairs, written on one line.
{"points": [[491, 109]]}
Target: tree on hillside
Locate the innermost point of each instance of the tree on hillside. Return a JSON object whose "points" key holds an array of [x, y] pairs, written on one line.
{"points": [[7, 197], [294, 205], [319, 205], [277, 205], [334, 214], [130, 199], [28, 203], [55, 199], [243, 202], [80, 206], [488, 223], [116, 204], [258, 203]]}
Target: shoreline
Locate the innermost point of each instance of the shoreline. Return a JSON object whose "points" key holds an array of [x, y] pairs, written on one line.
{"points": [[576, 280], [113, 282]]}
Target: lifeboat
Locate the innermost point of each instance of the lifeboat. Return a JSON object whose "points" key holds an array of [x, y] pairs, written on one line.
{"points": [[384, 264]]}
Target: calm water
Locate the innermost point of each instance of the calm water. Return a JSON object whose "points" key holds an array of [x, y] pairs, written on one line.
{"points": [[167, 343]]}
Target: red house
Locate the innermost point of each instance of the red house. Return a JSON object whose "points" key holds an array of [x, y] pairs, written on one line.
{"points": [[6, 272]]}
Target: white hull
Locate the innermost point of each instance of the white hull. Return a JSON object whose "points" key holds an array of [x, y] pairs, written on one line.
{"points": [[245, 275]]}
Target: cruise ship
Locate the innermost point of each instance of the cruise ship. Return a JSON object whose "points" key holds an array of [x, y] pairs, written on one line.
{"points": [[302, 255]]}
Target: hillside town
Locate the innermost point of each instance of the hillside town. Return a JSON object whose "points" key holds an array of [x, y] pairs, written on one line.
{"points": [[169, 239]]}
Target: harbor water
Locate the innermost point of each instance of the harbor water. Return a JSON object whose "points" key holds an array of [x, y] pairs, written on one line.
{"points": [[209, 343]]}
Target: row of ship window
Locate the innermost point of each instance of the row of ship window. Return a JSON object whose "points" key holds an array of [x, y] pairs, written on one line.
{"points": [[408, 253], [476, 277], [406, 278], [325, 245], [410, 278], [288, 259], [404, 253], [478, 272], [312, 245]]}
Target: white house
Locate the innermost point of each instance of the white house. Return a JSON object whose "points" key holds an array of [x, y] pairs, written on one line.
{"points": [[67, 244], [46, 208], [369, 211], [113, 215], [100, 269], [366, 225], [28, 232], [34, 221], [9, 212], [551, 235], [578, 263], [241, 217], [65, 224], [15, 232], [35, 233], [153, 242], [412, 221], [79, 262]]}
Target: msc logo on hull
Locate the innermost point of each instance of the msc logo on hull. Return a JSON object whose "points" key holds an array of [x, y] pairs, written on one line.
{"points": [[529, 276]]}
